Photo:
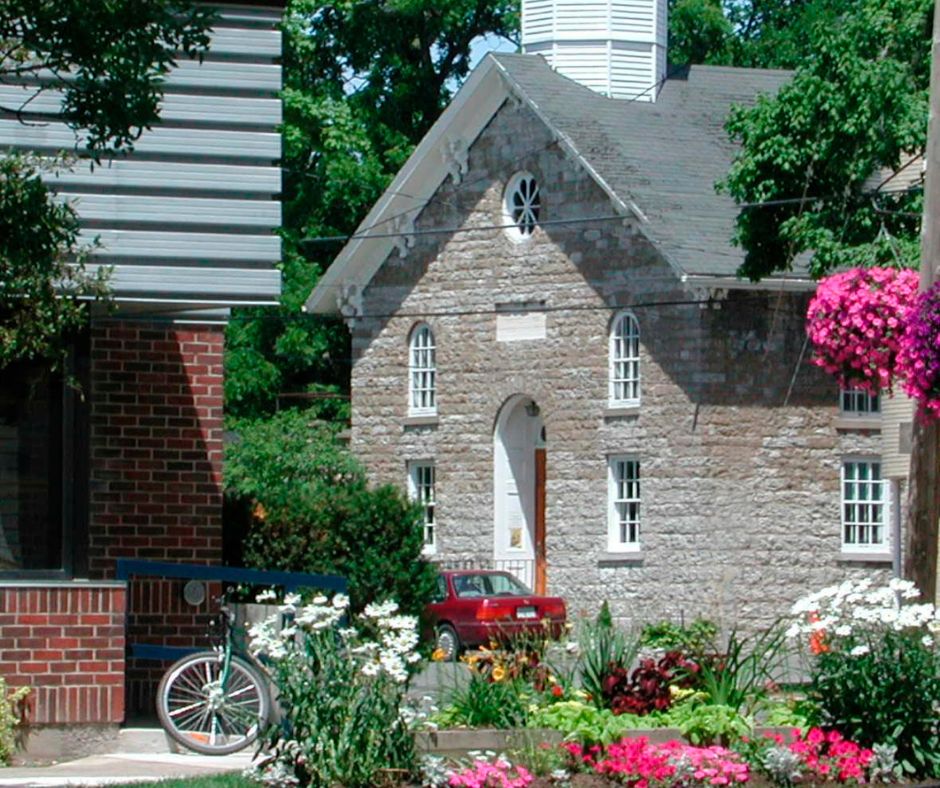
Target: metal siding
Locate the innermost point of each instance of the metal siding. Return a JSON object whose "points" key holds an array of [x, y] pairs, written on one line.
{"points": [[256, 145], [147, 176], [220, 181], [196, 248], [245, 41], [175, 107], [226, 76], [262, 284], [149, 209]]}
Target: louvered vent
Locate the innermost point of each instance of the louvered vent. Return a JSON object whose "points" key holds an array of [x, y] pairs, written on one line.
{"points": [[897, 417], [617, 47]]}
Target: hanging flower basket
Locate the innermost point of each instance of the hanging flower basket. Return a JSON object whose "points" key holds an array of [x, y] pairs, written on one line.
{"points": [[919, 360], [856, 323]]}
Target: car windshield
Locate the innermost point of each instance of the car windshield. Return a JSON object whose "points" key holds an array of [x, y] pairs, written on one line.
{"points": [[488, 585]]}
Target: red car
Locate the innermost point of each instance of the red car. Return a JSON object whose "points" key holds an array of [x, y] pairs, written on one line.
{"points": [[474, 606]]}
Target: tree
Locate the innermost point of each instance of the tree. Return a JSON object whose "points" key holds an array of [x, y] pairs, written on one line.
{"points": [[856, 106], [313, 511], [363, 82], [106, 61]]}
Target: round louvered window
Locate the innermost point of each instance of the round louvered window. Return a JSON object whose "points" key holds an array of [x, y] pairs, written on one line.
{"points": [[521, 205]]}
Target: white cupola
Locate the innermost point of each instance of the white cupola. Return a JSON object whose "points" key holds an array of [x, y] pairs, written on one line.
{"points": [[616, 47]]}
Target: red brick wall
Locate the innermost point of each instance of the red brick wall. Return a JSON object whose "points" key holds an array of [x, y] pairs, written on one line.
{"points": [[156, 472], [156, 444], [67, 643]]}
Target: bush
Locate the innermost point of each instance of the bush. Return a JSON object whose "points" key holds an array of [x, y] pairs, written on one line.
{"points": [[315, 512], [695, 640], [482, 703], [340, 692], [648, 688], [603, 648], [586, 724], [10, 718], [875, 673]]}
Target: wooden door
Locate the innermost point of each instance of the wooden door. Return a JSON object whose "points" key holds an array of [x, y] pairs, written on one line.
{"points": [[540, 560]]}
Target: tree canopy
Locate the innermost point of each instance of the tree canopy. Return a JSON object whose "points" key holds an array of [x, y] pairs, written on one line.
{"points": [[106, 61], [855, 107], [363, 82]]}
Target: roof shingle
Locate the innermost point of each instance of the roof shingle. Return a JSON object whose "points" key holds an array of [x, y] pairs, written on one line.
{"points": [[665, 156]]}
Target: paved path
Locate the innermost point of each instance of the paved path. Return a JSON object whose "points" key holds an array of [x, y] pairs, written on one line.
{"points": [[122, 768]]}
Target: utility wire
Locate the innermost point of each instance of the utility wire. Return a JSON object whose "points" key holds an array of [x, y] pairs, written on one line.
{"points": [[365, 235]]}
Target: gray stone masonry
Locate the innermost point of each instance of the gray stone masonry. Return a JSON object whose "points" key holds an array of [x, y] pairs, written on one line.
{"points": [[740, 474]]}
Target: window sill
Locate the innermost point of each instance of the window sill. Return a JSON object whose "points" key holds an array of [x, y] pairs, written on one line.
{"points": [[621, 411], [421, 420], [631, 557], [23, 582], [850, 556], [849, 423]]}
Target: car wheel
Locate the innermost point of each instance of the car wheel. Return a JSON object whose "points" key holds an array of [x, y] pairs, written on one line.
{"points": [[448, 642]]}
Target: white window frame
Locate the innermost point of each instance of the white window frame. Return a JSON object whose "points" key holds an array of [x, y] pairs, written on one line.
{"points": [[856, 403], [422, 478], [624, 373], [524, 230], [624, 505], [856, 515], [422, 371]]}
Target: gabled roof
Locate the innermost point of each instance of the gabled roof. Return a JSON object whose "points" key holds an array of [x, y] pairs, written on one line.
{"points": [[656, 160]]}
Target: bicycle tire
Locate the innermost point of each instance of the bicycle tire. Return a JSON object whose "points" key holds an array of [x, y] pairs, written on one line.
{"points": [[209, 719]]}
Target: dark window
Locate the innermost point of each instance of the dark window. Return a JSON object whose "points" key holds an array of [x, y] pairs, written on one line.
{"points": [[43, 483]]}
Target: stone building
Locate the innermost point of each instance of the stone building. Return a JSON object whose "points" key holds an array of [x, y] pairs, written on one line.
{"points": [[553, 352], [131, 466]]}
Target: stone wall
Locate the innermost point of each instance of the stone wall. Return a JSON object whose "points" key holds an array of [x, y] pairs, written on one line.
{"points": [[735, 433]]}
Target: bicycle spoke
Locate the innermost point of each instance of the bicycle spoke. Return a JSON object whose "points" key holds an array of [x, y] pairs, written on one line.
{"points": [[185, 709]]}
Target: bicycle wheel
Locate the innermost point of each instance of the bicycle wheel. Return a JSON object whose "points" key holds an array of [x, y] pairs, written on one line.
{"points": [[202, 715]]}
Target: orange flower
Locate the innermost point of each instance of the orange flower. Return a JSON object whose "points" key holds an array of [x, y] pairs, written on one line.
{"points": [[817, 640]]}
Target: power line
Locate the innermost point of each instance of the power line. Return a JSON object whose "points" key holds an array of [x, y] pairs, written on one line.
{"points": [[435, 196], [365, 235]]}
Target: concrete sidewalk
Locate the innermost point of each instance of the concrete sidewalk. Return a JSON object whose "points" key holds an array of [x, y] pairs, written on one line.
{"points": [[124, 767]]}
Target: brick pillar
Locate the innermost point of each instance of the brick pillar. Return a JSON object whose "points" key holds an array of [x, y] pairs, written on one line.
{"points": [[156, 472]]}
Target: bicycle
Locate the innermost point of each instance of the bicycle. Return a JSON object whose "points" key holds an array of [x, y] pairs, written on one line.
{"points": [[215, 702]]}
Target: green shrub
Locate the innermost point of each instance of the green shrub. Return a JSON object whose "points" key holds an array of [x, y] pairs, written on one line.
{"points": [[317, 513], [483, 703], [587, 724], [740, 676], [875, 670], [708, 723], [10, 718], [603, 649], [340, 685], [890, 694], [694, 640]]}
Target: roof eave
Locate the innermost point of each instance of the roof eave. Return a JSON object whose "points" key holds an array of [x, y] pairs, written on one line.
{"points": [[792, 284], [427, 168]]}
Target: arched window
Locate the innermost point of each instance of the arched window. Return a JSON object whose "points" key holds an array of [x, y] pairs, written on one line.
{"points": [[624, 360], [521, 206], [422, 369]]}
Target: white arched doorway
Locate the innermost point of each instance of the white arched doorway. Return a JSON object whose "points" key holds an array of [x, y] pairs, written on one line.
{"points": [[519, 491]]}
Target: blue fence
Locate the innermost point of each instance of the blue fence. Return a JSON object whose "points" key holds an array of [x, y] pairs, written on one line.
{"points": [[289, 581]]}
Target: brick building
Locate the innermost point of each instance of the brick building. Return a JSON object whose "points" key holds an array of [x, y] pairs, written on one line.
{"points": [[553, 351], [131, 466]]}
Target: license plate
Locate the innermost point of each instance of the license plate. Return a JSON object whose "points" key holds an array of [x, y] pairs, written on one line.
{"points": [[526, 612]]}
